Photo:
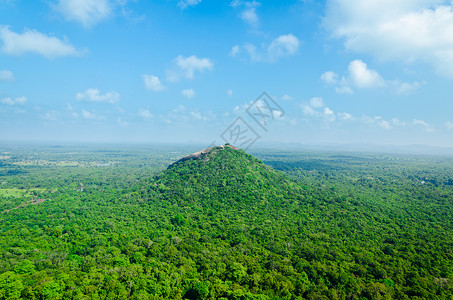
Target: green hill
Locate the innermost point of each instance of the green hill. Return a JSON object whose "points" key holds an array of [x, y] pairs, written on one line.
{"points": [[220, 224], [225, 177]]}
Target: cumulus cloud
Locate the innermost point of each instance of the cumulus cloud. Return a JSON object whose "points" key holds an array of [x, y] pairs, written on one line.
{"points": [[329, 77], [397, 122], [183, 4], [189, 93], [316, 109], [235, 50], [34, 41], [361, 77], [377, 121], [51, 115], [153, 83], [13, 101], [406, 88], [186, 67], [249, 15], [197, 115], [6, 75], [282, 46], [86, 12], [316, 102], [71, 111], [345, 116], [144, 113], [422, 123], [248, 11], [181, 113], [230, 93], [91, 116], [403, 30], [94, 95], [309, 111]]}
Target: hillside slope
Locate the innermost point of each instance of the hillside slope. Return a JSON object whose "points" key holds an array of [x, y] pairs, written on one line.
{"points": [[224, 176], [220, 224]]}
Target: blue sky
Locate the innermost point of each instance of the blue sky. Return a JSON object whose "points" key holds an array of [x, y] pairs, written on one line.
{"points": [[347, 72]]}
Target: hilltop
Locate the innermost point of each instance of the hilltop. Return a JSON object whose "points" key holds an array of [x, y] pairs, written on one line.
{"points": [[204, 154], [221, 224], [224, 176]]}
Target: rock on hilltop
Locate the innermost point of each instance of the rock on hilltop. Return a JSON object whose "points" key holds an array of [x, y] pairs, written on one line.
{"points": [[204, 154]]}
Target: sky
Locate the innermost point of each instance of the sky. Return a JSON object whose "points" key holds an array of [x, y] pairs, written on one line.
{"points": [[183, 71]]}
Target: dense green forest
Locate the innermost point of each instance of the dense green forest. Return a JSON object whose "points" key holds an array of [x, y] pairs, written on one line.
{"points": [[92, 222]]}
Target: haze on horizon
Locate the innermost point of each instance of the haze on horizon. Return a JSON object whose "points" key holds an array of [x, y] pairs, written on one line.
{"points": [[368, 72]]}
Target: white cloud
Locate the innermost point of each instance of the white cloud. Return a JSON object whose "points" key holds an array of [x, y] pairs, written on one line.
{"points": [[86, 12], [35, 42], [144, 113], [405, 88], [94, 95], [313, 109], [182, 114], [248, 12], [178, 109], [404, 30], [51, 115], [384, 124], [316, 110], [183, 4], [71, 111], [344, 90], [11, 101], [329, 77], [377, 120], [316, 102], [345, 116], [6, 75], [196, 115], [153, 83], [449, 125], [361, 77], [235, 51], [240, 109], [249, 15], [187, 66], [287, 97], [283, 46], [89, 115], [397, 122], [122, 122], [422, 123], [328, 111], [230, 93], [309, 111], [189, 93]]}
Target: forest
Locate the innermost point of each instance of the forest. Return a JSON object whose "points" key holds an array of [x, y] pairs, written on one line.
{"points": [[134, 222]]}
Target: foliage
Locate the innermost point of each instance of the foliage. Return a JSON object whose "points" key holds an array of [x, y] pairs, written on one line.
{"points": [[226, 226]]}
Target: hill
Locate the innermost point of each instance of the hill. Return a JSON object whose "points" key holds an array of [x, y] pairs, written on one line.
{"points": [[224, 176], [221, 224]]}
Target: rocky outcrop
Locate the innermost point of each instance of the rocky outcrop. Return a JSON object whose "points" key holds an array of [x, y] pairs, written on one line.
{"points": [[204, 154]]}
